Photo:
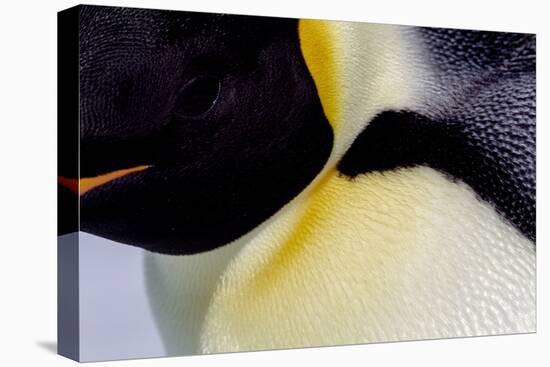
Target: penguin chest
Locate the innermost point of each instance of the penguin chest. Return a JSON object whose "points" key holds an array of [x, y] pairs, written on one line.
{"points": [[405, 254]]}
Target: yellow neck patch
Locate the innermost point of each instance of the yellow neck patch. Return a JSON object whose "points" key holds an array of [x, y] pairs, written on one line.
{"points": [[318, 41]]}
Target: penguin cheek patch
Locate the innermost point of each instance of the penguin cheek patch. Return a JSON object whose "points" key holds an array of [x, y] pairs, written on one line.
{"points": [[197, 97]]}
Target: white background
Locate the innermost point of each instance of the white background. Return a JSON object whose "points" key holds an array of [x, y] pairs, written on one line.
{"points": [[28, 182]]}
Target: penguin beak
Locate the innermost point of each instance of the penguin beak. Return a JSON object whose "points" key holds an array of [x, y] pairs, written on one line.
{"points": [[83, 185]]}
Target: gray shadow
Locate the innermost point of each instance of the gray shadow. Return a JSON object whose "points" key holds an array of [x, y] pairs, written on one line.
{"points": [[49, 346]]}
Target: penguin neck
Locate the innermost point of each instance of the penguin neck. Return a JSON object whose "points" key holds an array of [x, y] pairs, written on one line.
{"points": [[361, 70]]}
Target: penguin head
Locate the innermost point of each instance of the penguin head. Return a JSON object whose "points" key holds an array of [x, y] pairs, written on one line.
{"points": [[194, 128]]}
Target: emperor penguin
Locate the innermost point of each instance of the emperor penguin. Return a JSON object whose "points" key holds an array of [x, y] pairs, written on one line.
{"points": [[301, 183]]}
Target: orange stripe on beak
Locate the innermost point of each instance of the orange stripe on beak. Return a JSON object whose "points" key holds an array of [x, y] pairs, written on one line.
{"points": [[84, 185]]}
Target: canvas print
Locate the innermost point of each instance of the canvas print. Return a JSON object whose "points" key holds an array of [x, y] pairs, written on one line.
{"points": [[239, 183]]}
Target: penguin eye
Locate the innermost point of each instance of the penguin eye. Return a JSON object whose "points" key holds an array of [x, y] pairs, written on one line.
{"points": [[197, 97]]}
